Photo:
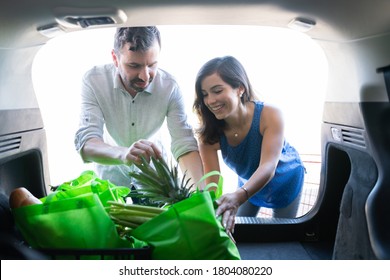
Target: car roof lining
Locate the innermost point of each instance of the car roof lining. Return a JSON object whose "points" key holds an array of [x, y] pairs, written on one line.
{"points": [[360, 20]]}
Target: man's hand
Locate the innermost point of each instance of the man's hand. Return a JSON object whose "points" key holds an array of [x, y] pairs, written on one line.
{"points": [[141, 148], [97, 151]]}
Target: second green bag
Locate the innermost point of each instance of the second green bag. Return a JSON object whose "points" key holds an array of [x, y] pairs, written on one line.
{"points": [[188, 230]]}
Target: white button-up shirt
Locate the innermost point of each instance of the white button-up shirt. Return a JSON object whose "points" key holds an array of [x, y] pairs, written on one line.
{"points": [[109, 112]]}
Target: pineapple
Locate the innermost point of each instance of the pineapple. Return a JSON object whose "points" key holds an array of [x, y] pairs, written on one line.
{"points": [[160, 186]]}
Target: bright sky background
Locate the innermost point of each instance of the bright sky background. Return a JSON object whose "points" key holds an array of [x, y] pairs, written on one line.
{"points": [[286, 68]]}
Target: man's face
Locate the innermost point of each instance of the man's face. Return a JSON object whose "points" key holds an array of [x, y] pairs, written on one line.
{"points": [[137, 69]]}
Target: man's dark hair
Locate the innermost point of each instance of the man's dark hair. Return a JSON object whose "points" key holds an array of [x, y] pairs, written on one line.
{"points": [[140, 38]]}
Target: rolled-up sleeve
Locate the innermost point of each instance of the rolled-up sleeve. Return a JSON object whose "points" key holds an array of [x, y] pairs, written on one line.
{"points": [[91, 120], [183, 140]]}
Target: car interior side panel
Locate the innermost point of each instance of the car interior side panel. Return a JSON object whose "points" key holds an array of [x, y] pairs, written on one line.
{"points": [[377, 207]]}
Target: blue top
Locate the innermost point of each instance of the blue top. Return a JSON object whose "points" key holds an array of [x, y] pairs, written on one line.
{"points": [[244, 159]]}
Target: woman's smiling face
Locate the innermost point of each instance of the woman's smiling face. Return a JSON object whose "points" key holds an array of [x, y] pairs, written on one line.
{"points": [[221, 99]]}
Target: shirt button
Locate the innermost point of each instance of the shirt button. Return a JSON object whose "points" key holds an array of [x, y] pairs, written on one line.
{"points": [[132, 101], [132, 124]]}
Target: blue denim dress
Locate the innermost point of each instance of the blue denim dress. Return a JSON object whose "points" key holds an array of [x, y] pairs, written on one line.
{"points": [[244, 159]]}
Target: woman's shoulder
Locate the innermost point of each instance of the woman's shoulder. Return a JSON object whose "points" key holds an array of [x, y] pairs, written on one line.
{"points": [[265, 110], [271, 116], [269, 108]]}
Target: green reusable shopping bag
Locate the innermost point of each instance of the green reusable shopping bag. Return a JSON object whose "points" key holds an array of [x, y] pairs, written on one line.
{"points": [[188, 230], [74, 216], [87, 183]]}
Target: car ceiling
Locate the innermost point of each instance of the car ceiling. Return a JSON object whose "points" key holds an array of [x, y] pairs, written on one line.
{"points": [[336, 20]]}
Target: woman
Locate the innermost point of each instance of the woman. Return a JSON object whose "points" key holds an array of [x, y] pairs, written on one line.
{"points": [[250, 136]]}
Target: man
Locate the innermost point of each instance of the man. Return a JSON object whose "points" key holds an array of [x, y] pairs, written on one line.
{"points": [[125, 103]]}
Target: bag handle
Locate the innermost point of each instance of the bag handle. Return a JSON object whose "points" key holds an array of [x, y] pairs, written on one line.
{"points": [[218, 186], [46, 202]]}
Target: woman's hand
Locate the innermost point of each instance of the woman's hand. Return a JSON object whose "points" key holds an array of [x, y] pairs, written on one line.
{"points": [[227, 207]]}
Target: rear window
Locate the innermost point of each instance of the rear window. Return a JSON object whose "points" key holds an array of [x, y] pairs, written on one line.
{"points": [[286, 68]]}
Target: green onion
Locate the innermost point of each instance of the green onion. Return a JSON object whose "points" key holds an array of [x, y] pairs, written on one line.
{"points": [[130, 216]]}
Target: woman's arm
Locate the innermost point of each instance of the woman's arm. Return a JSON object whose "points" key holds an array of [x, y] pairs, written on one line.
{"points": [[271, 127], [209, 157], [192, 164]]}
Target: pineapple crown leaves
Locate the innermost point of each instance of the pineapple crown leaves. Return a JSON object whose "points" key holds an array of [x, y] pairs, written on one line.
{"points": [[160, 185]]}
